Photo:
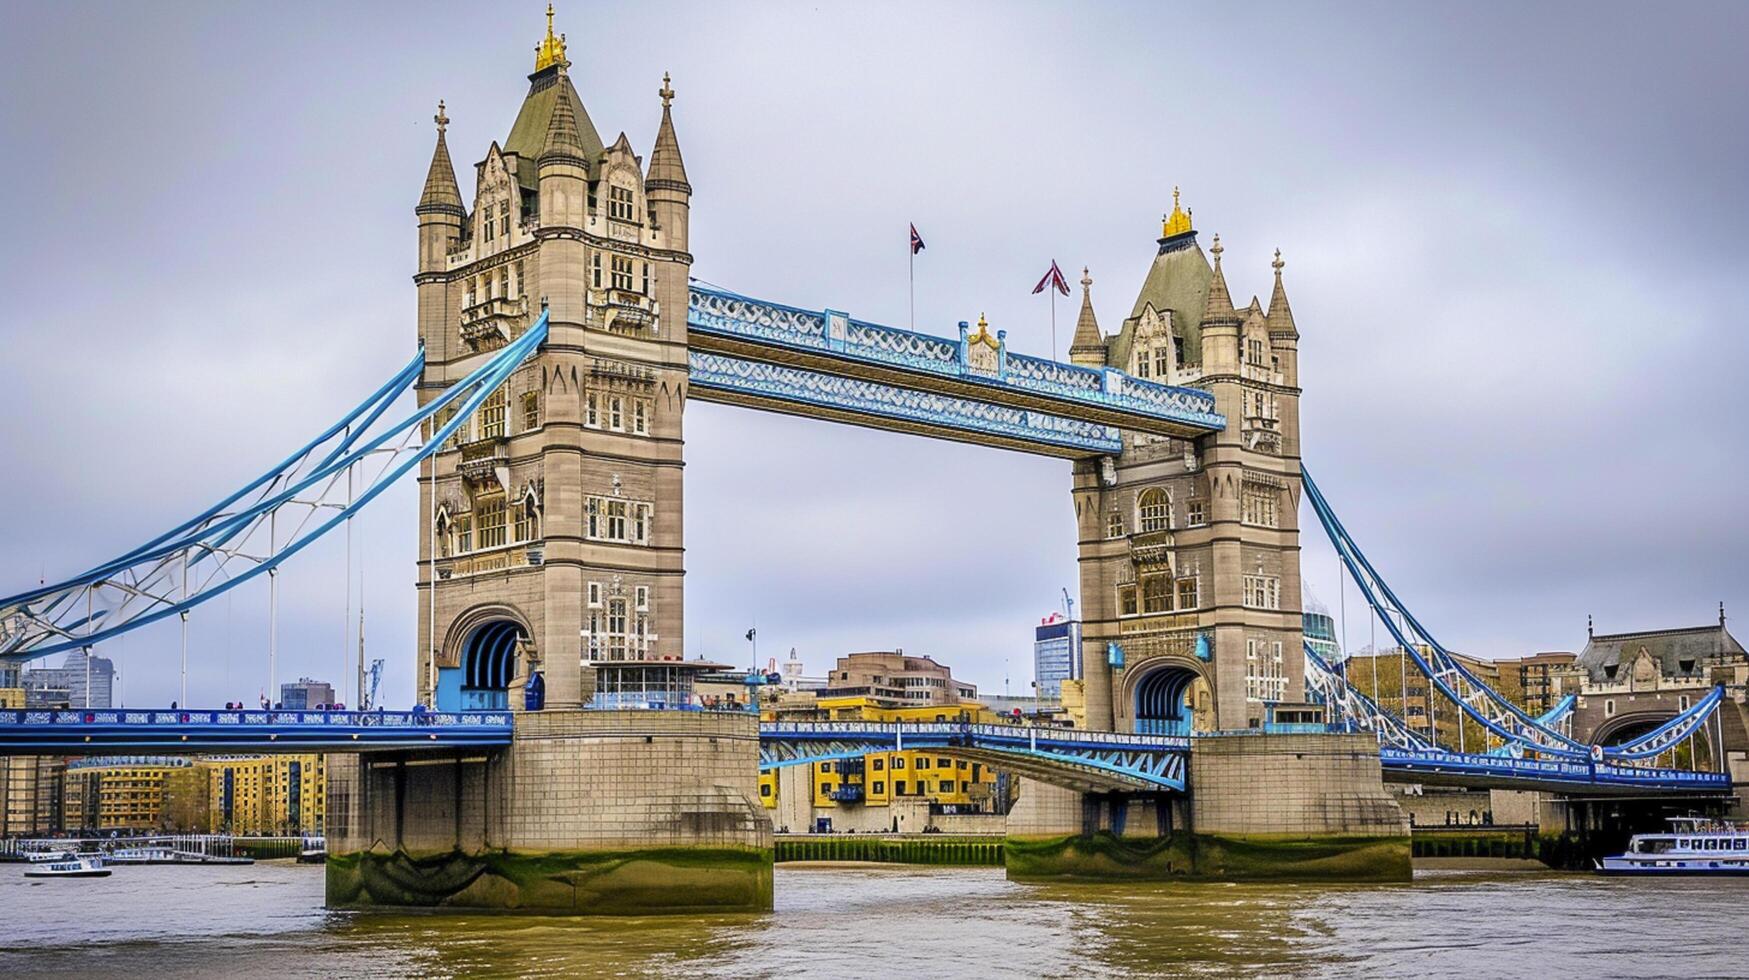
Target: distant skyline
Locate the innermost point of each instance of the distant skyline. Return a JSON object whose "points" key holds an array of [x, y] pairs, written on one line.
{"points": [[1513, 241]]}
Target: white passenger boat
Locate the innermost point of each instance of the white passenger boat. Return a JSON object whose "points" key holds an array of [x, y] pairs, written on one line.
{"points": [[85, 866], [1694, 846]]}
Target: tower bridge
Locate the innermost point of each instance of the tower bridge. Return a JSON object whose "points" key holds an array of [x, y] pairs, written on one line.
{"points": [[560, 334]]}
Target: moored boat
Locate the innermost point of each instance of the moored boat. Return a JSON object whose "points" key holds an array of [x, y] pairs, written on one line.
{"points": [[1694, 846], [82, 866]]}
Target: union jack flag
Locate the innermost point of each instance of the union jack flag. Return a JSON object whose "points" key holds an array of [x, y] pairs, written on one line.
{"points": [[1053, 279], [916, 241]]}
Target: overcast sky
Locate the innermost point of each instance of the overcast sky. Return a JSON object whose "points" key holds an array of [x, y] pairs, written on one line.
{"points": [[1514, 245]]}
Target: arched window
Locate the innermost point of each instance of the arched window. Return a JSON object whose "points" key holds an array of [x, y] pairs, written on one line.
{"points": [[1153, 510]]}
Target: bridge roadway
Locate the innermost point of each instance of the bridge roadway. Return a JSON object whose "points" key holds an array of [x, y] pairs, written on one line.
{"points": [[1077, 759]]}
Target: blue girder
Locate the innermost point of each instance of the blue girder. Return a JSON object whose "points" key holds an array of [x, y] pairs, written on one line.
{"points": [[1140, 761], [121, 730]]}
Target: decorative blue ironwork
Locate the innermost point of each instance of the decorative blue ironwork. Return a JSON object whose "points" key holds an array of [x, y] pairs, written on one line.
{"points": [[254, 530], [1136, 761], [120, 730], [716, 311], [803, 387]]}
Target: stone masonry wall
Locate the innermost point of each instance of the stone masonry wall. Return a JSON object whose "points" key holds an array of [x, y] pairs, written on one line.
{"points": [[1316, 785]]}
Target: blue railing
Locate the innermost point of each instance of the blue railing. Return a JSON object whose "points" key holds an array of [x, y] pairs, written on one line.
{"points": [[123, 730]]}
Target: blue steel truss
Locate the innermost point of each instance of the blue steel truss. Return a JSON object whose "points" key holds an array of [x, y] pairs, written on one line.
{"points": [[1139, 761], [109, 731], [759, 381], [251, 532], [829, 333]]}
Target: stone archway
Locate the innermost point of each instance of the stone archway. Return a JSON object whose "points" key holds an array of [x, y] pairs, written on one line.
{"points": [[1161, 698]]}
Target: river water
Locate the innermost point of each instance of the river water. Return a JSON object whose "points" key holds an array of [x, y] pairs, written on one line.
{"points": [[880, 921]]}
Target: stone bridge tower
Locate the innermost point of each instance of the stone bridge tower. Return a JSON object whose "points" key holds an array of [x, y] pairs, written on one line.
{"points": [[1189, 550], [550, 527]]}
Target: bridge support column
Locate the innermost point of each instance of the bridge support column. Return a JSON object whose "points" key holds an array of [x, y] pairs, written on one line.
{"points": [[1261, 807], [588, 812]]}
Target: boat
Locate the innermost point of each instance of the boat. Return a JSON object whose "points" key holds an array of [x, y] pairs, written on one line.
{"points": [[313, 851], [82, 866], [1694, 846]]}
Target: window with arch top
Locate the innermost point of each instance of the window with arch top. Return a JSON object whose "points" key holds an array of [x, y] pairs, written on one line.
{"points": [[1153, 510]]}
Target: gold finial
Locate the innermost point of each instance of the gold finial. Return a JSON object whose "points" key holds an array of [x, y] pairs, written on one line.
{"points": [[1277, 264], [1176, 223], [551, 50], [667, 92], [441, 119], [982, 325]]}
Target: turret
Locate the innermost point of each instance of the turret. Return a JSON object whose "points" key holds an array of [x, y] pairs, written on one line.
{"points": [[1088, 347], [564, 165], [666, 187], [1220, 323], [440, 210], [1284, 337]]}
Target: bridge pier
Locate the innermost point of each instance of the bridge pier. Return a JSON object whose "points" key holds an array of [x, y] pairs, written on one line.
{"points": [[1259, 807], [587, 812]]}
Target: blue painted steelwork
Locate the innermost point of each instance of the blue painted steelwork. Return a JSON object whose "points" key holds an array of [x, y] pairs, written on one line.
{"points": [[253, 531], [111, 731], [1140, 761], [829, 332], [799, 386]]}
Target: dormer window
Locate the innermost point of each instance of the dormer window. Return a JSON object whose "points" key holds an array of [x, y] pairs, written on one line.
{"points": [[619, 203]]}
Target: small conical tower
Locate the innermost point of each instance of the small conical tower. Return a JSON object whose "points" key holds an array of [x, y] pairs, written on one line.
{"points": [[1284, 336], [563, 168], [669, 193], [1220, 322], [440, 210], [1088, 347]]}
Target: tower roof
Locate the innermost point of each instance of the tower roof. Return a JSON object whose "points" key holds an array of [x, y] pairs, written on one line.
{"points": [[1281, 316], [1177, 281], [441, 193], [547, 87], [665, 162], [1088, 339]]}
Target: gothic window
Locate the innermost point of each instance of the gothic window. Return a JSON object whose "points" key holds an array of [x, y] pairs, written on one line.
{"points": [[616, 629], [595, 271], [492, 415], [1126, 600], [504, 281], [468, 293], [645, 268], [1162, 362], [504, 218], [464, 534], [1153, 510], [593, 511], [640, 416], [1259, 506], [594, 595], [1187, 597], [1262, 591], [641, 523], [619, 203], [489, 514], [1156, 593], [527, 521], [530, 411], [1254, 351], [592, 410], [1265, 676], [444, 544], [519, 283], [622, 273], [642, 596], [616, 413], [1195, 513], [1114, 525], [1142, 365], [616, 520]]}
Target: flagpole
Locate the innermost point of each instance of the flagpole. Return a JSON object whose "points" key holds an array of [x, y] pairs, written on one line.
{"points": [[912, 262], [1053, 292]]}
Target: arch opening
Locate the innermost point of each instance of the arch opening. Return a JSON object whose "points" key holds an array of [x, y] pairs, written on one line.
{"points": [[1163, 704], [488, 663]]}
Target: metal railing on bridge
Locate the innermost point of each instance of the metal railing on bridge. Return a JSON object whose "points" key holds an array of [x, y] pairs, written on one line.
{"points": [[119, 730]]}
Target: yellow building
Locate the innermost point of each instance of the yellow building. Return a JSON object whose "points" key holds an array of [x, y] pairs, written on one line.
{"points": [[267, 794], [133, 793], [881, 778]]}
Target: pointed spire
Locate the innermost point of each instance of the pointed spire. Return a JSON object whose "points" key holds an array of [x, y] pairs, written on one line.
{"points": [[563, 144], [1281, 316], [1088, 347], [441, 194], [1220, 301], [665, 162]]}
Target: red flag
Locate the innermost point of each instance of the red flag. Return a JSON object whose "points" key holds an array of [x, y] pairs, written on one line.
{"points": [[1053, 279], [916, 241]]}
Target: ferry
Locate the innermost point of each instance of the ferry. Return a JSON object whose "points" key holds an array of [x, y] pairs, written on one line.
{"points": [[84, 866], [1694, 846], [314, 850]]}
